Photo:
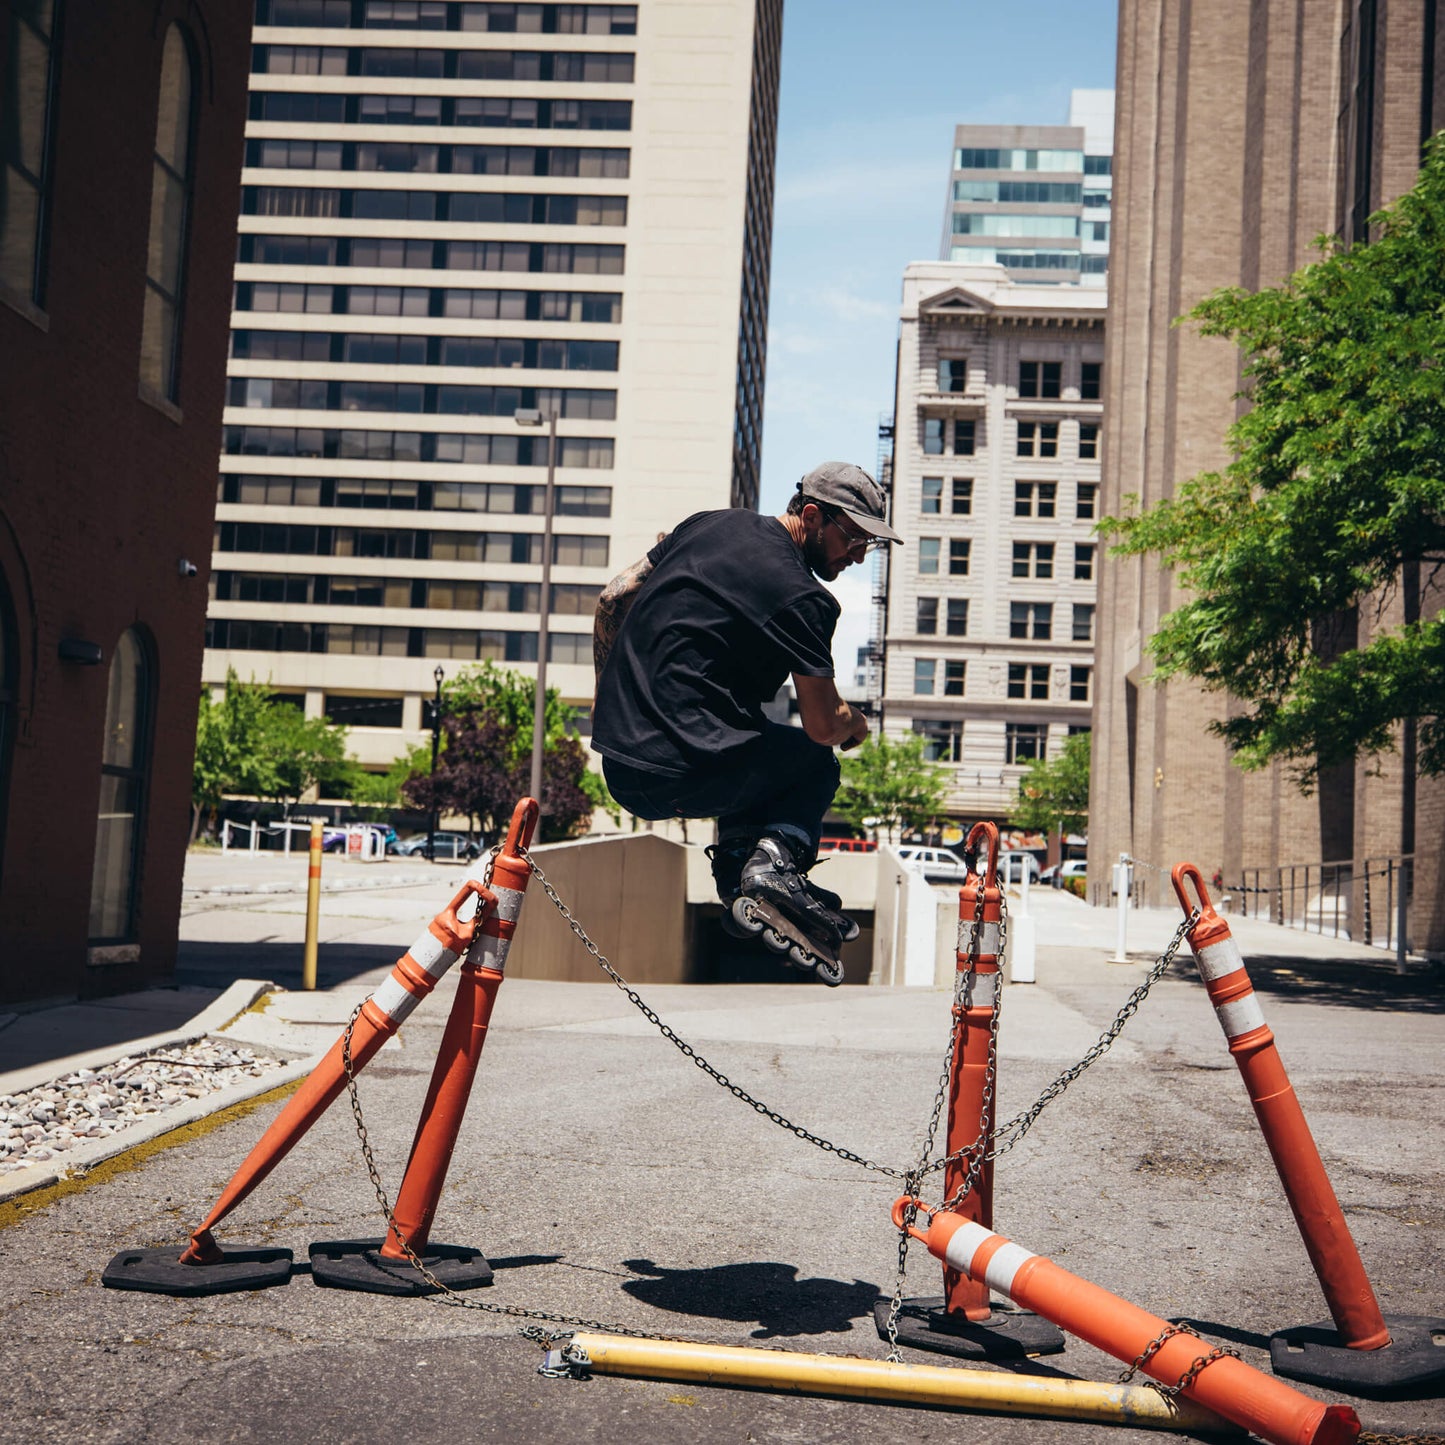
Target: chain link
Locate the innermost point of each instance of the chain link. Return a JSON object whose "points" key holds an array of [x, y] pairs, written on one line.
{"points": [[1374, 1437], [978, 1153], [1190, 1375]]}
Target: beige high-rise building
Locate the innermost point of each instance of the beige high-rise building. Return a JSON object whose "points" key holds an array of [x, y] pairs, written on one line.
{"points": [[453, 213], [989, 642], [1243, 132]]}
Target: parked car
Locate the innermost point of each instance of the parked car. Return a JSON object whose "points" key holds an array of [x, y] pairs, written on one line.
{"points": [[847, 845], [1014, 866], [450, 847], [333, 840], [1070, 875], [938, 865]]}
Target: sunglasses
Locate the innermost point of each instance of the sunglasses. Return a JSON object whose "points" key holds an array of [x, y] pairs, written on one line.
{"points": [[859, 543]]}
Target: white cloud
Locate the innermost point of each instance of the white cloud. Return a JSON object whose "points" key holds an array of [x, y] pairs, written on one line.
{"points": [[863, 184]]}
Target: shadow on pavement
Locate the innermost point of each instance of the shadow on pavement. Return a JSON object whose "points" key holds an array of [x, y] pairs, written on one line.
{"points": [[1351, 982], [769, 1293], [215, 965]]}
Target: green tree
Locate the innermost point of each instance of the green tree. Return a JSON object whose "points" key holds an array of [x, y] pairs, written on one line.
{"points": [[1054, 796], [230, 753], [488, 714], [889, 785], [1335, 497], [303, 752]]}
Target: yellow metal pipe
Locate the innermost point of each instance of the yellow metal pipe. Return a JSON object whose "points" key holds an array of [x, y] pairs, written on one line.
{"points": [[313, 908], [995, 1393]]}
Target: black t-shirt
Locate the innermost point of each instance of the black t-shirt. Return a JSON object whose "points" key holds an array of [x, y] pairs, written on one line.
{"points": [[728, 612]]}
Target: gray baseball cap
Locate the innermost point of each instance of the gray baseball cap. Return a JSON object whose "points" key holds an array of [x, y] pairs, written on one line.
{"points": [[854, 492]]}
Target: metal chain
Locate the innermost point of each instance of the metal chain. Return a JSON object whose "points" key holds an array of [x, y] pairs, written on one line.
{"points": [[449, 1295], [1190, 1375], [687, 1050], [1374, 1437], [916, 1175], [1013, 1131]]}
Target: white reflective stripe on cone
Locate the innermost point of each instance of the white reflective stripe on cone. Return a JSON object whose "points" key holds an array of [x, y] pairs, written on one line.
{"points": [[432, 954], [395, 1000], [1215, 960], [489, 951], [989, 937], [1001, 1268], [981, 995], [1240, 1015], [509, 903]]}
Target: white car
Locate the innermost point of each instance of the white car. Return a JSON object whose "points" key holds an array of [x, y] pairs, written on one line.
{"points": [[940, 865], [1015, 866]]}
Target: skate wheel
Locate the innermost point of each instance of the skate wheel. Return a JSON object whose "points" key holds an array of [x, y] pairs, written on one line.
{"points": [[776, 941], [829, 972], [852, 932], [801, 959], [744, 916]]}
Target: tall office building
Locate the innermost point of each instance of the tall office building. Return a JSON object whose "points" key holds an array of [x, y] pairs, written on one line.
{"points": [[1245, 131], [990, 614], [454, 214], [1035, 199]]}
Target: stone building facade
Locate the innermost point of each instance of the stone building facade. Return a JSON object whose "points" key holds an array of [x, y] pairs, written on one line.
{"points": [[1243, 132]]}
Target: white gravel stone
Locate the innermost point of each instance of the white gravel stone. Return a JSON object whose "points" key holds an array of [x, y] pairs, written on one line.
{"points": [[96, 1103]]}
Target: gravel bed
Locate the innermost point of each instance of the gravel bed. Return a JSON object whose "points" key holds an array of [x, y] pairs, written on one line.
{"points": [[45, 1122]]}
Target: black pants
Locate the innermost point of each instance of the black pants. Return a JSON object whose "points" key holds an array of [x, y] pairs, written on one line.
{"points": [[782, 782]]}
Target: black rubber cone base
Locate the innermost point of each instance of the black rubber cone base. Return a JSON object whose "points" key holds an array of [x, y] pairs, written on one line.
{"points": [[1007, 1334], [159, 1271], [1314, 1354], [358, 1264]]}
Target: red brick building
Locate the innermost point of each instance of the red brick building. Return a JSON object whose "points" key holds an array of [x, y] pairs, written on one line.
{"points": [[122, 133]]}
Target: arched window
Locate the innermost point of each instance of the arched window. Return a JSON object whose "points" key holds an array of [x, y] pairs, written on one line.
{"points": [[124, 762], [9, 668], [170, 193]]}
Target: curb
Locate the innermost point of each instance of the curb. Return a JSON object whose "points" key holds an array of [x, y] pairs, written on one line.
{"points": [[211, 1021]]}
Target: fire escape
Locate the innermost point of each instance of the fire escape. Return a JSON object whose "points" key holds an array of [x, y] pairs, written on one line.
{"points": [[878, 620]]}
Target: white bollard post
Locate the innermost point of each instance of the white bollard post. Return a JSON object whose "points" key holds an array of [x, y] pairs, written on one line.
{"points": [[1021, 935], [1123, 886], [225, 836], [255, 837]]}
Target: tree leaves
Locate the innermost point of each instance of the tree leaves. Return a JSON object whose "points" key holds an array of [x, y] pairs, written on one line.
{"points": [[1337, 481], [889, 784]]}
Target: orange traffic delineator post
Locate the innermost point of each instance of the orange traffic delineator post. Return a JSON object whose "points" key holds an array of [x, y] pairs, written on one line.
{"points": [[963, 1320], [1216, 1379], [385, 1266], [1359, 1349], [205, 1267]]}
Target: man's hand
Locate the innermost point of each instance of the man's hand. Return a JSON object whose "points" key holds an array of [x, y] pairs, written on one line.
{"points": [[859, 734]]}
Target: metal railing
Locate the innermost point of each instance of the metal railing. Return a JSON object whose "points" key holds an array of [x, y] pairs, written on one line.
{"points": [[1367, 902]]}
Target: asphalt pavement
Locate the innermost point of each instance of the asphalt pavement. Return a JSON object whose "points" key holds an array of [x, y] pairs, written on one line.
{"points": [[607, 1178]]}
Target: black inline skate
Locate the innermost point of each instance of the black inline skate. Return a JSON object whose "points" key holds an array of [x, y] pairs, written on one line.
{"points": [[776, 903]]}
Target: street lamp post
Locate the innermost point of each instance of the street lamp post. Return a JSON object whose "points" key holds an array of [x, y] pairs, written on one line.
{"points": [[436, 738], [527, 416]]}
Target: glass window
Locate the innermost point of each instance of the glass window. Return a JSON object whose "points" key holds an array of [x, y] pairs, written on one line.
{"points": [[1033, 559], [964, 436], [1033, 620], [1083, 622], [952, 374], [933, 436], [1088, 500], [957, 624], [1028, 680], [924, 669], [928, 550], [1035, 499], [1088, 441], [958, 550], [962, 496], [953, 678], [1025, 742], [1083, 561], [1091, 380], [363, 712], [123, 767], [1079, 679], [25, 136], [1040, 379], [927, 623], [1038, 439], [170, 195], [942, 739], [932, 496]]}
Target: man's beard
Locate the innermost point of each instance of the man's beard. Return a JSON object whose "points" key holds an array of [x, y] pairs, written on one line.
{"points": [[815, 554]]}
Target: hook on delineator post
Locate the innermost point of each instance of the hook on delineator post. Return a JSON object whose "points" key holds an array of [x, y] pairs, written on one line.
{"points": [[1183, 873]]}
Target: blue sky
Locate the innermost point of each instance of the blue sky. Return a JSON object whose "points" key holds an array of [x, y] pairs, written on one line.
{"points": [[870, 95]]}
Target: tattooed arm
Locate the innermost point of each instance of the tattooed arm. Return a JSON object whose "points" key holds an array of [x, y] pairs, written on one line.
{"points": [[613, 605]]}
